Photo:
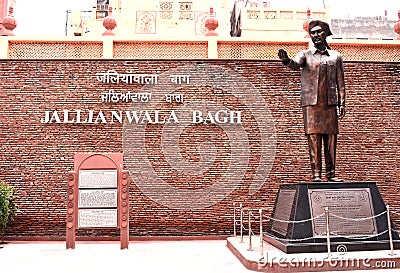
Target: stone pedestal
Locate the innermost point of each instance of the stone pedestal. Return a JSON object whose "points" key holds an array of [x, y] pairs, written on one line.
{"points": [[357, 218]]}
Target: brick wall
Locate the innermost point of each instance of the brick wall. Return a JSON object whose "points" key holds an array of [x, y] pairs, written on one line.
{"points": [[36, 157]]}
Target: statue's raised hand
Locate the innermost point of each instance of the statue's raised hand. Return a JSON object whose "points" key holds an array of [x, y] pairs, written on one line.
{"points": [[282, 54]]}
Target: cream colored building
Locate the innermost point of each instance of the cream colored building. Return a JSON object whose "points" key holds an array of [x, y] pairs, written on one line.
{"points": [[268, 23], [150, 18], [187, 18]]}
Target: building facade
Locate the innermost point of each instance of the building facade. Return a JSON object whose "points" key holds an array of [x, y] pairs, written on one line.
{"points": [[378, 27], [150, 18], [178, 18]]}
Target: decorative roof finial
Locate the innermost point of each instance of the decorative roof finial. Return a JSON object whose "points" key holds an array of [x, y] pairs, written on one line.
{"points": [[9, 23], [306, 22], [397, 25], [211, 24], [109, 23]]}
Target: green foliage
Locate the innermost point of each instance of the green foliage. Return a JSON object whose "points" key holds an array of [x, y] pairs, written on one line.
{"points": [[8, 207]]}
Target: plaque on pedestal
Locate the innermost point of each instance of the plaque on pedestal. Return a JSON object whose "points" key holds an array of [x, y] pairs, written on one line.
{"points": [[347, 204], [284, 207], [357, 217]]}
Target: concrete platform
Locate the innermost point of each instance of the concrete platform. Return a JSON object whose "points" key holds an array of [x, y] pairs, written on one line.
{"points": [[271, 259]]}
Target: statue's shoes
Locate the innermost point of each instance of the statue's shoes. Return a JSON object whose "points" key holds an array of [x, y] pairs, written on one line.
{"points": [[334, 179], [317, 179]]}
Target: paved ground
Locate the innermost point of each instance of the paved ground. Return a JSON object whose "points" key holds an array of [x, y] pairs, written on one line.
{"points": [[141, 257]]}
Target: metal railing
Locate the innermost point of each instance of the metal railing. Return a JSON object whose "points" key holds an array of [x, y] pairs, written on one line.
{"points": [[245, 218]]}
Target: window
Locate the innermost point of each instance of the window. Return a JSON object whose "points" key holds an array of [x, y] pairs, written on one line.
{"points": [[102, 9], [186, 10]]}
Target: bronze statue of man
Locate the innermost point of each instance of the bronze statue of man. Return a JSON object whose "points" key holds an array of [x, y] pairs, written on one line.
{"points": [[322, 97]]}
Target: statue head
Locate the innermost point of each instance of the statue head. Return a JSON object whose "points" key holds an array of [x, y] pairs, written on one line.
{"points": [[318, 31], [322, 24]]}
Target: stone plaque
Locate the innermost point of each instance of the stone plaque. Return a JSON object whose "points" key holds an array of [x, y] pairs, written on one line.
{"points": [[348, 203], [98, 198], [97, 218], [98, 178], [283, 211]]}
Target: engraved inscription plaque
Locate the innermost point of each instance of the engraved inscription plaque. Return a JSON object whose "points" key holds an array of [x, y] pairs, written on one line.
{"points": [[97, 218], [283, 211], [98, 179], [348, 203], [97, 198]]}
